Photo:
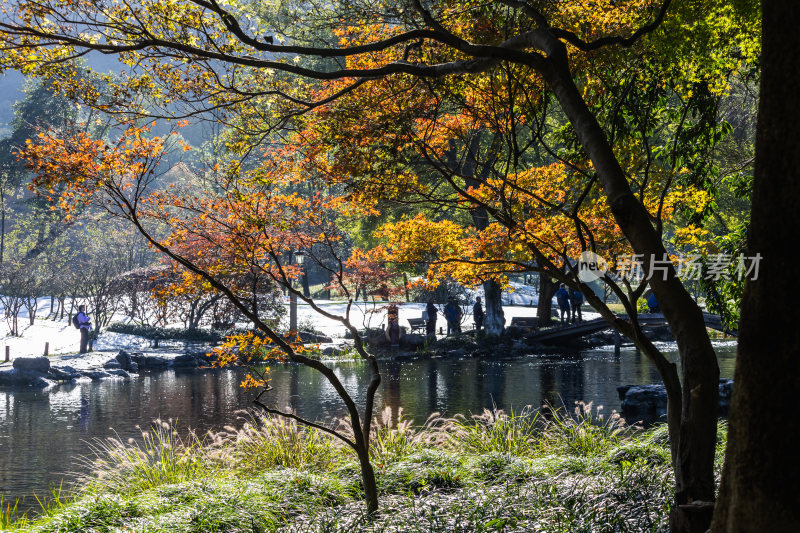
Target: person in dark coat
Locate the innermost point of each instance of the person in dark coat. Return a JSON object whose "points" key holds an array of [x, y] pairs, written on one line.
{"points": [[477, 314], [393, 324], [575, 302], [562, 297], [452, 313], [430, 323], [85, 325]]}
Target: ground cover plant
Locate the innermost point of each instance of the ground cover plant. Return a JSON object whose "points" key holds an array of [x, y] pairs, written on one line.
{"points": [[547, 470]]}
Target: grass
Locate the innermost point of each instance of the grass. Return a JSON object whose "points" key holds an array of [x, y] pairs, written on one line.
{"points": [[546, 470], [160, 457]]}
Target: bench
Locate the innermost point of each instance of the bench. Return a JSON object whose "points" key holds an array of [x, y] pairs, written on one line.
{"points": [[525, 321], [417, 324]]}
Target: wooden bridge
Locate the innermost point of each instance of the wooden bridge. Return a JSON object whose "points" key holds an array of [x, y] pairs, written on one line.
{"points": [[581, 329]]}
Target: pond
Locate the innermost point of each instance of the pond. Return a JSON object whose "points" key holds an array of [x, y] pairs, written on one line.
{"points": [[43, 433]]}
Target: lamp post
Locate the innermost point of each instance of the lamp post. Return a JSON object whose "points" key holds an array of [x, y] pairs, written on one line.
{"points": [[297, 258]]}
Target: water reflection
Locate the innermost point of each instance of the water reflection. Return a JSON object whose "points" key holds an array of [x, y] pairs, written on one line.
{"points": [[42, 434]]}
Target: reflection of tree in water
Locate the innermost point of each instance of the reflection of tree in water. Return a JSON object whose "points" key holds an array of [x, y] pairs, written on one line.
{"points": [[433, 387], [562, 383], [391, 389], [490, 380], [547, 385], [84, 413], [294, 388]]}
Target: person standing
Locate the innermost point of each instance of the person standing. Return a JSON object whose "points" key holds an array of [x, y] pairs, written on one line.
{"points": [[575, 302], [85, 325], [430, 322], [562, 297], [652, 303], [393, 325], [452, 313], [477, 314]]}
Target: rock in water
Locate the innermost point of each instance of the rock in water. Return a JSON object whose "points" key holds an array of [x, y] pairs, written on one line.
{"points": [[650, 401]]}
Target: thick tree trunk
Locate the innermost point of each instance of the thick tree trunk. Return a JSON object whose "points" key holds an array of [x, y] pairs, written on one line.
{"points": [[759, 481], [495, 321], [694, 459], [544, 309]]}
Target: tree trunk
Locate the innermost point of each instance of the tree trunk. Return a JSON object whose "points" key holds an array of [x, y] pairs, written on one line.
{"points": [[495, 321], [368, 479], [694, 458], [759, 481], [544, 309]]}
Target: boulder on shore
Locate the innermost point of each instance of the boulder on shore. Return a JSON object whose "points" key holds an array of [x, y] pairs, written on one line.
{"points": [[15, 377], [311, 337], [412, 341], [36, 364]]}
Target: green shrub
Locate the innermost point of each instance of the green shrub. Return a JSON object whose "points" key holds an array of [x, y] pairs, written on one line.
{"points": [[179, 334]]}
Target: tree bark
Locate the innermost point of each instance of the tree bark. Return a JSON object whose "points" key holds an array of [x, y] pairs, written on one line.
{"points": [[368, 479], [544, 309], [759, 481], [495, 321]]}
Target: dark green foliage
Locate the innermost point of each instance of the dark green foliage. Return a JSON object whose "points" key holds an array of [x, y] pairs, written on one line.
{"points": [[178, 334]]}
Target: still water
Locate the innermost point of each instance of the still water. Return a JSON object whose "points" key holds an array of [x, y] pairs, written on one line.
{"points": [[42, 433]]}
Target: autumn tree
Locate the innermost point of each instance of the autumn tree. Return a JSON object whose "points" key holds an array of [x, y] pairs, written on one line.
{"points": [[234, 238], [214, 57]]}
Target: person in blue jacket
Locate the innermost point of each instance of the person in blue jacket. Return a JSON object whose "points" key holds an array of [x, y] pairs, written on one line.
{"points": [[453, 313], [575, 302], [652, 303], [562, 297]]}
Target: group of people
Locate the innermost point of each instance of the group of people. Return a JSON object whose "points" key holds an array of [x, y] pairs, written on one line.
{"points": [[452, 314], [569, 302]]}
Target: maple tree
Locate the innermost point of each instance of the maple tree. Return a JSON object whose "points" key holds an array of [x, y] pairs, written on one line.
{"points": [[206, 55], [238, 244]]}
